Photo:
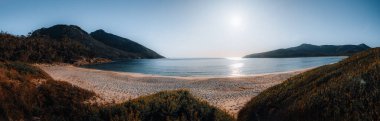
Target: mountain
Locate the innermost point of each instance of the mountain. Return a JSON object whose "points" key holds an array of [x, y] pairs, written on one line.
{"points": [[76, 34], [347, 90], [101, 43], [136, 50], [69, 44], [308, 50]]}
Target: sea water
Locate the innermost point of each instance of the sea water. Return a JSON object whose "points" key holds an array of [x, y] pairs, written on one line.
{"points": [[214, 67]]}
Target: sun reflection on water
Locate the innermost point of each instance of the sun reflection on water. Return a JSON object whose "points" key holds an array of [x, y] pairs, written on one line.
{"points": [[234, 58], [236, 69]]}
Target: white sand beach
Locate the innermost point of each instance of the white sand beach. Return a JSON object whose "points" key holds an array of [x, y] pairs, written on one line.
{"points": [[227, 93]]}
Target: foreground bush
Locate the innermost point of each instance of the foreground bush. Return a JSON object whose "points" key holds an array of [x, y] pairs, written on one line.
{"points": [[348, 90], [166, 105], [27, 93]]}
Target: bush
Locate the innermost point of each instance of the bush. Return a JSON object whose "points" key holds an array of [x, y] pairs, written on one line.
{"points": [[165, 106]]}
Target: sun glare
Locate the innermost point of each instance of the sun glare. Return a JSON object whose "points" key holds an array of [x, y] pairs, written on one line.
{"points": [[234, 58], [236, 21], [237, 65], [236, 69]]}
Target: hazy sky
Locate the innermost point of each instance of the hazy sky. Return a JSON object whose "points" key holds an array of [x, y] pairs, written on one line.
{"points": [[206, 28]]}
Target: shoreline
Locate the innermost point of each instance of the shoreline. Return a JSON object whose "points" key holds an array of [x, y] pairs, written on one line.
{"points": [[227, 93], [136, 74]]}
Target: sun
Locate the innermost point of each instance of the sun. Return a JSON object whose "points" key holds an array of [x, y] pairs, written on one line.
{"points": [[236, 21]]}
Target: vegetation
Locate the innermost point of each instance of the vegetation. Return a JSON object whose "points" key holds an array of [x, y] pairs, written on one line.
{"points": [[308, 50], [41, 49], [348, 90], [166, 106], [28, 93]]}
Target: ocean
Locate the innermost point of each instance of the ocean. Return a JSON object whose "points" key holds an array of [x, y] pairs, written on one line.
{"points": [[213, 67]]}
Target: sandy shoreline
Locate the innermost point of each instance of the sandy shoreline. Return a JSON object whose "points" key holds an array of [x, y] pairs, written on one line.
{"points": [[227, 93]]}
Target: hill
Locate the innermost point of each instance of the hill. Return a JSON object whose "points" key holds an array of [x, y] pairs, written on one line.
{"points": [[308, 50], [72, 33], [135, 49], [28, 93], [100, 43], [347, 90], [68, 44]]}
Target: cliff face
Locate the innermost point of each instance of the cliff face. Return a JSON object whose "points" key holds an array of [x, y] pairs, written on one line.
{"points": [[308, 50], [348, 90]]}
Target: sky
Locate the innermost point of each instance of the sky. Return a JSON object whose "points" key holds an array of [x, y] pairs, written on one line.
{"points": [[206, 28]]}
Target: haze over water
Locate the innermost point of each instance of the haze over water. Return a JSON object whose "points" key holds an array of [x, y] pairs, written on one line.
{"points": [[216, 67]]}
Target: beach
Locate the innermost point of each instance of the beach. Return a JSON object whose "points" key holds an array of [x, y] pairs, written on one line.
{"points": [[227, 93]]}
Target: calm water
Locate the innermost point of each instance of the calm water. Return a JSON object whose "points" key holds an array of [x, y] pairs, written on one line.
{"points": [[214, 66]]}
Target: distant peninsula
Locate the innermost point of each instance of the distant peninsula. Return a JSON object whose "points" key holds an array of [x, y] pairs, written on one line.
{"points": [[70, 44], [309, 50]]}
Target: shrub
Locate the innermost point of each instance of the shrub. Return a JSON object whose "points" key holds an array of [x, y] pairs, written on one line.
{"points": [[163, 106]]}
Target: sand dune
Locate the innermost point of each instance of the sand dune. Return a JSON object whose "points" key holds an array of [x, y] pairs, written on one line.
{"points": [[228, 93]]}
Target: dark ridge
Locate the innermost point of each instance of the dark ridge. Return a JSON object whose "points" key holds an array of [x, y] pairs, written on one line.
{"points": [[60, 31], [124, 44], [348, 90], [309, 50], [74, 33]]}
